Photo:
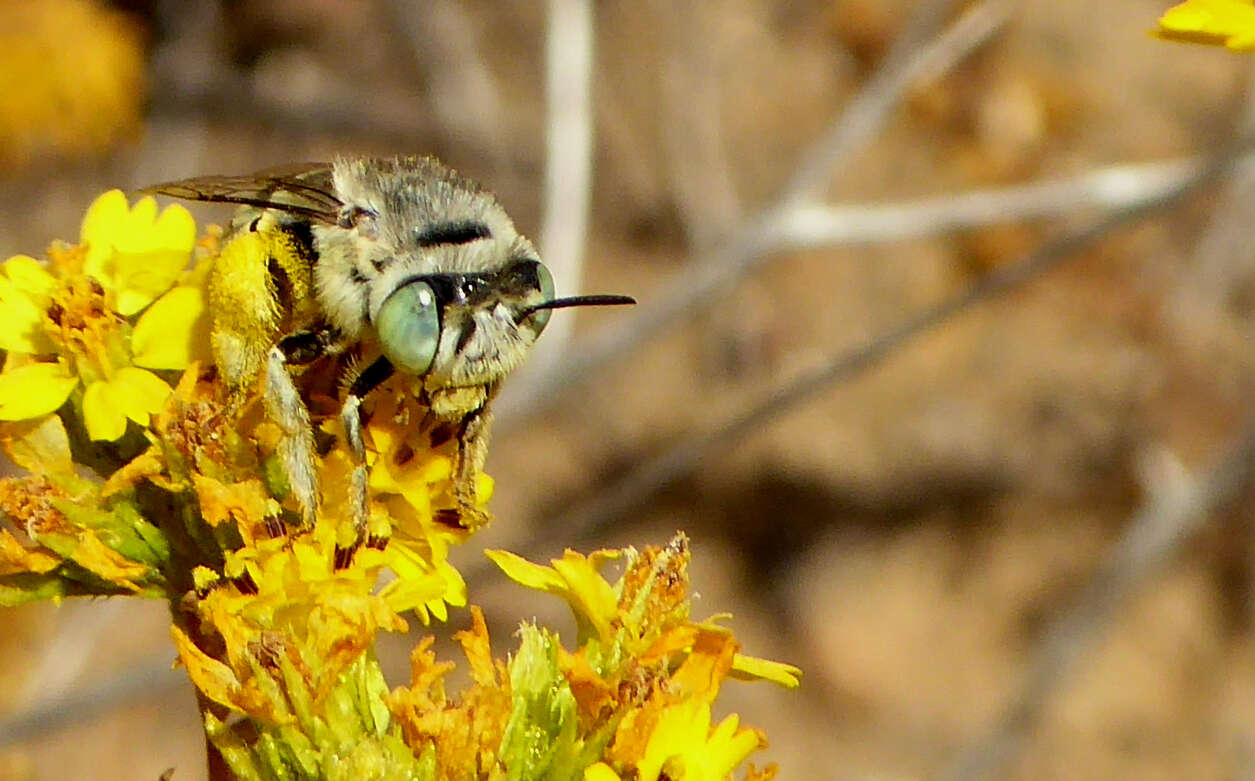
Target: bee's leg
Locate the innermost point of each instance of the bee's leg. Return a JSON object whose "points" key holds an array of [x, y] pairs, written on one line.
{"points": [[296, 446], [351, 418], [472, 435], [287, 409]]}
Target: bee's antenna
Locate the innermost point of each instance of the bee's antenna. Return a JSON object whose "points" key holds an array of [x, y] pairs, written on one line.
{"points": [[562, 303]]}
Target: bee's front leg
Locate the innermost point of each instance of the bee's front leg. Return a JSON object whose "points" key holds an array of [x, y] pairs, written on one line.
{"points": [[351, 418], [467, 462], [467, 409]]}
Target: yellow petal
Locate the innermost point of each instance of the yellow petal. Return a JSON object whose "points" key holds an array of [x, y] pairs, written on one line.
{"points": [[34, 390], [14, 557], [600, 772], [522, 571], [98, 558], [573, 577], [30, 276], [173, 332], [22, 309], [139, 392], [728, 747], [590, 593], [102, 414], [680, 729], [100, 226], [753, 668], [175, 229], [218, 682]]}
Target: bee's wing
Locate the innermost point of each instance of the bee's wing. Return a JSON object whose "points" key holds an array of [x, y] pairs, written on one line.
{"points": [[303, 190]]}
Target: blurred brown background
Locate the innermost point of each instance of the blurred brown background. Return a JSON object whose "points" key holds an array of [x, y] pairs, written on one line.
{"points": [[1001, 550]]}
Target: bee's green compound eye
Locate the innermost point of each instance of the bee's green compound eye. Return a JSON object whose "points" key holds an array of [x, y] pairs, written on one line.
{"points": [[541, 317], [409, 328]]}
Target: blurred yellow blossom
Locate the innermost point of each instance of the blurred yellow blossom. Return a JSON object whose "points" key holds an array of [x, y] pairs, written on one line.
{"points": [[73, 76]]}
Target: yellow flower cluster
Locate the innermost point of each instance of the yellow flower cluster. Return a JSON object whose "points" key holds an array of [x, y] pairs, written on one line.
{"points": [[107, 370], [67, 327], [1229, 23]]}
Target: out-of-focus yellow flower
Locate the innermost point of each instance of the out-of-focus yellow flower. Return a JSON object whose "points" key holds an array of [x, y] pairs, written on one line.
{"points": [[1229, 23], [73, 76], [75, 312]]}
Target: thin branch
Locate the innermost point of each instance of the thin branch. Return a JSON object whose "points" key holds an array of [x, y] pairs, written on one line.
{"points": [[808, 226], [696, 159], [749, 246], [911, 61], [612, 502], [1153, 536]]}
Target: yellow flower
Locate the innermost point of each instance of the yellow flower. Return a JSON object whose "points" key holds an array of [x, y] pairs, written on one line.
{"points": [[575, 578], [130, 394], [75, 314], [683, 745], [1229, 23], [288, 592]]}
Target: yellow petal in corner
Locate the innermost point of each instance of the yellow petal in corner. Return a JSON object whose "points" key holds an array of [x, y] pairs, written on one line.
{"points": [[1229, 23]]}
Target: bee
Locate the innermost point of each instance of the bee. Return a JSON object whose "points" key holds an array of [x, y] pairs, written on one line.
{"points": [[401, 264]]}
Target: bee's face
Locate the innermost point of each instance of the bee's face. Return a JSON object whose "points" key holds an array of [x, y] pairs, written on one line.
{"points": [[405, 255], [460, 329], [434, 266]]}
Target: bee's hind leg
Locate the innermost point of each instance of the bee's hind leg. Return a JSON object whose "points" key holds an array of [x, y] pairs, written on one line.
{"points": [[351, 418]]}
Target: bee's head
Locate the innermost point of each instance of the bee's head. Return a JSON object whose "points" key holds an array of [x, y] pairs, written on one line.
{"points": [[456, 295]]}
